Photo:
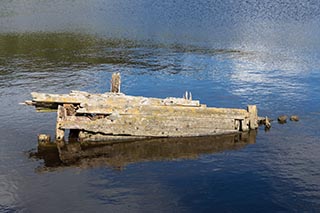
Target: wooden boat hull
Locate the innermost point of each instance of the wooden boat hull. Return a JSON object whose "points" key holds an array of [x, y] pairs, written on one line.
{"points": [[118, 116]]}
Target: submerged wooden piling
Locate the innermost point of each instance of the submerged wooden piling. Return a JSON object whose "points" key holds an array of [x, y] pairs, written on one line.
{"points": [[253, 116], [60, 118], [116, 116]]}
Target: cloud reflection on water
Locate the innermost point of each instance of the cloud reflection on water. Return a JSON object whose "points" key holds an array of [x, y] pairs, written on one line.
{"points": [[279, 70], [268, 74]]}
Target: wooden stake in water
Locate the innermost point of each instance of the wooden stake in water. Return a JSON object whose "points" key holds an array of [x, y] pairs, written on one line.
{"points": [[115, 83]]}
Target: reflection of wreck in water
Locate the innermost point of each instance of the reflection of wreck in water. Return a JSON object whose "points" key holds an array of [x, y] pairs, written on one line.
{"points": [[116, 116], [118, 155], [138, 128]]}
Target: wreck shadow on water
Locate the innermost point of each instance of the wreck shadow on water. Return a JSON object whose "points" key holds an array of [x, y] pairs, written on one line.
{"points": [[118, 155]]}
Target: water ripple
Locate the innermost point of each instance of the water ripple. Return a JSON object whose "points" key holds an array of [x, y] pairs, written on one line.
{"points": [[227, 53]]}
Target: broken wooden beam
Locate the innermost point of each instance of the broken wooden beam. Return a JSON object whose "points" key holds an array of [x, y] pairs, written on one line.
{"points": [[61, 115], [51, 101]]}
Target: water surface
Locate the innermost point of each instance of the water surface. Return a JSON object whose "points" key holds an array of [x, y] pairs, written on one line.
{"points": [[228, 54]]}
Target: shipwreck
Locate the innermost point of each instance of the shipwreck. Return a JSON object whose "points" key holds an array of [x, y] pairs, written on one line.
{"points": [[114, 116]]}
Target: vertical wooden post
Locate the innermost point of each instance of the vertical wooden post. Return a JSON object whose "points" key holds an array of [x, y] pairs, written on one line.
{"points": [[60, 116], [115, 83], [245, 125], [253, 116]]}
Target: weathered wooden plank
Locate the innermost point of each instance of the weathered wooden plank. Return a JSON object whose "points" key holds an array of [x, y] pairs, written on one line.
{"points": [[57, 98], [141, 125], [108, 99], [92, 137], [165, 110], [61, 115], [159, 121], [253, 116], [160, 113]]}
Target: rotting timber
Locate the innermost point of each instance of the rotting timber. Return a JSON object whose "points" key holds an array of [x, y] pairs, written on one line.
{"points": [[116, 116]]}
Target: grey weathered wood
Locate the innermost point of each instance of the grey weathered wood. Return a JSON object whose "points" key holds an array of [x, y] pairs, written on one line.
{"points": [[115, 83], [139, 116], [105, 99], [60, 117], [253, 116], [146, 125], [85, 136], [114, 114], [167, 110]]}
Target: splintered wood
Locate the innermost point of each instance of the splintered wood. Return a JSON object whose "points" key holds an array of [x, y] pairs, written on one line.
{"points": [[114, 116]]}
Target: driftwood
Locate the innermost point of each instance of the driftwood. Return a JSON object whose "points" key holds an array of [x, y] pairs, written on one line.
{"points": [[116, 116]]}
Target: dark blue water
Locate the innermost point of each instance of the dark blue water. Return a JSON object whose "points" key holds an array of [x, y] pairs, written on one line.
{"points": [[227, 53]]}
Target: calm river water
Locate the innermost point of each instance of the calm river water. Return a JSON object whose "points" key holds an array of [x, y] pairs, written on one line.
{"points": [[227, 53]]}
